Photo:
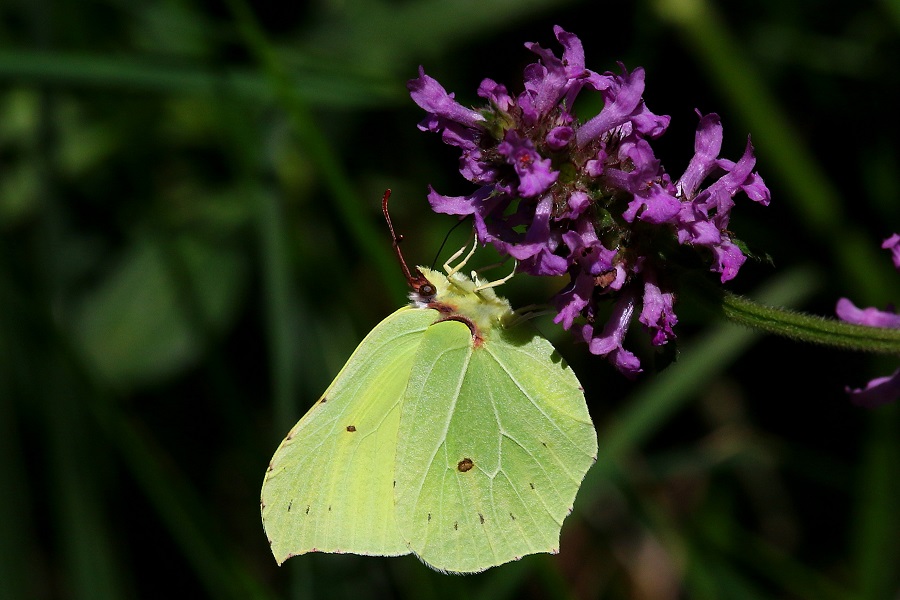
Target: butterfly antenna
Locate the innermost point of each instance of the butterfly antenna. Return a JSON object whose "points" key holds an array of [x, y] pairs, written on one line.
{"points": [[417, 282], [447, 237]]}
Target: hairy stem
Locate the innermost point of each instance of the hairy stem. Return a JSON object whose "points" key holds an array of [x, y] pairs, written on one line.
{"points": [[809, 328]]}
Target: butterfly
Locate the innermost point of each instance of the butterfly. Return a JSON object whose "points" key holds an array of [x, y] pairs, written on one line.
{"points": [[454, 432]]}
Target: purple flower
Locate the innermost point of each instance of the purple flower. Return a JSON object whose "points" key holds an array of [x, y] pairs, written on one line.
{"points": [[608, 342], [589, 198], [534, 171], [623, 104], [443, 110], [658, 314], [704, 214], [871, 317], [893, 244], [880, 390]]}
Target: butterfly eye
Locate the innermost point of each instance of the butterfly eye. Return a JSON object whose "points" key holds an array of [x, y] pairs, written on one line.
{"points": [[426, 290]]}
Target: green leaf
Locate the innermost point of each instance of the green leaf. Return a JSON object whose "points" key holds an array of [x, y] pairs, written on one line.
{"points": [[150, 317]]}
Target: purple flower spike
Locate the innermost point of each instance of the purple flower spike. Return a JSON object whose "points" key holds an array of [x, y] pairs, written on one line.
{"points": [[588, 197], [882, 389]]}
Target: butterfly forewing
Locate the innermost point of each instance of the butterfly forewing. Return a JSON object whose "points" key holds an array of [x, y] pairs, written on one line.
{"points": [[330, 484]]}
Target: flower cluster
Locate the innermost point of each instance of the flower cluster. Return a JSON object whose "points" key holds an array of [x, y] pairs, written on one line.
{"points": [[880, 390], [589, 199]]}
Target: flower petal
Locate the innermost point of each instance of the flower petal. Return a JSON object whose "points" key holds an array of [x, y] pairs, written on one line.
{"points": [[609, 342], [431, 96], [893, 244], [880, 390], [871, 317], [622, 100], [658, 313], [535, 172], [496, 94], [707, 145]]}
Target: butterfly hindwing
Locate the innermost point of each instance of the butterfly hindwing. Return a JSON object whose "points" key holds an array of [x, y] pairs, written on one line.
{"points": [[495, 439]]}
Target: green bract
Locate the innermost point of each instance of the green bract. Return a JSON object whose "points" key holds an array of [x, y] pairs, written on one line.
{"points": [[449, 434]]}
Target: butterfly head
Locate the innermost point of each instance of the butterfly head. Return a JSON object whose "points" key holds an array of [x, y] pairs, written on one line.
{"points": [[423, 290]]}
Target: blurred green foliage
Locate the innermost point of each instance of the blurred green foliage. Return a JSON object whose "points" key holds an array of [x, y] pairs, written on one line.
{"points": [[191, 246]]}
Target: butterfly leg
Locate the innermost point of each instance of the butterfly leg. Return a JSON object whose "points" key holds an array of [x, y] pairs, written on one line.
{"points": [[451, 270], [495, 283]]}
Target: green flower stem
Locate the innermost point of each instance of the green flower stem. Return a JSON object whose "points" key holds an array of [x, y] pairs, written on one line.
{"points": [[809, 328]]}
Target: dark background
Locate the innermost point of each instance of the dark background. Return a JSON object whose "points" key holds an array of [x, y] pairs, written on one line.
{"points": [[191, 245]]}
